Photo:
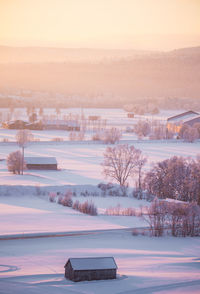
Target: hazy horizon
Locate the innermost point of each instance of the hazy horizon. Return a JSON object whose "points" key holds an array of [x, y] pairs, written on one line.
{"points": [[107, 24], [96, 48]]}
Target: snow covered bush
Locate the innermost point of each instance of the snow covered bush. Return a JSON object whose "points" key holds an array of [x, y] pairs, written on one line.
{"points": [[142, 128], [15, 162], [110, 136], [86, 207], [67, 199], [52, 197], [57, 139], [105, 188], [77, 136], [118, 210]]}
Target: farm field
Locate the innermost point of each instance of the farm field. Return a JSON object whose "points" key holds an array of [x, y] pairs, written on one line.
{"points": [[113, 118], [79, 163], [145, 265], [36, 265]]}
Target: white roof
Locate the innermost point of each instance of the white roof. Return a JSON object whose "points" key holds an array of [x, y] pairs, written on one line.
{"points": [[191, 118], [40, 160], [175, 201], [93, 263], [183, 117], [70, 123]]}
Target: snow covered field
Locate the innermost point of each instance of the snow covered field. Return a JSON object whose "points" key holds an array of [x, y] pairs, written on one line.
{"points": [[145, 265], [113, 117], [80, 162], [33, 215], [36, 265]]}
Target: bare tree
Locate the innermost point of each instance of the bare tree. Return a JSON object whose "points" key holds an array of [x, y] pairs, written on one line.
{"points": [[177, 218], [14, 161], [190, 135], [111, 136], [120, 162], [142, 128], [141, 162], [177, 178], [23, 137]]}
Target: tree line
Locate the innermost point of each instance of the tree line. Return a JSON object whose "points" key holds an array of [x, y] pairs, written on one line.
{"points": [[177, 177]]}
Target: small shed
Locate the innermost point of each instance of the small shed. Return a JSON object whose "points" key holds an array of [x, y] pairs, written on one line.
{"points": [[130, 115], [42, 163], [90, 268], [94, 117]]}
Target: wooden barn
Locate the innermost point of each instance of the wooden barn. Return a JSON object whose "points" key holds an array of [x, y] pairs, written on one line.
{"points": [[41, 163], [90, 268]]}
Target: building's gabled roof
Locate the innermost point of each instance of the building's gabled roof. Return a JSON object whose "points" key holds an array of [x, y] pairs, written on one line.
{"points": [[57, 122], [193, 119], [92, 263], [40, 160], [182, 116]]}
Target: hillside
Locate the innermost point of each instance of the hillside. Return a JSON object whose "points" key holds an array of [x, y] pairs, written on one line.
{"points": [[127, 77]]}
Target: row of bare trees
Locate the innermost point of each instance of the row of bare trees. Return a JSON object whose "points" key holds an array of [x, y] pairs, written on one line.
{"points": [[177, 177], [177, 219], [190, 133], [157, 130]]}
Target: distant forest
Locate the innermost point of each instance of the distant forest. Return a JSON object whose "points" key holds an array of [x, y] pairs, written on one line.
{"points": [[112, 79]]}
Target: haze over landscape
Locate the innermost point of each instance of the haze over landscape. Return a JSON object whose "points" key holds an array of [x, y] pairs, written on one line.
{"points": [[99, 146], [114, 24], [122, 50]]}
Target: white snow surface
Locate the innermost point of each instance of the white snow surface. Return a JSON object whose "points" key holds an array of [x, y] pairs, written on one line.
{"points": [[145, 265], [79, 163], [35, 265], [33, 215]]}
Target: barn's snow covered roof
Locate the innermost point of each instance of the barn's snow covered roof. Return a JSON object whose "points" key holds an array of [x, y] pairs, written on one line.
{"points": [[93, 263], [183, 116], [54, 122], [40, 160]]}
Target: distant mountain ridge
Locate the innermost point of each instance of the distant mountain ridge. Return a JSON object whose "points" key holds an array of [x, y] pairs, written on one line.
{"points": [[53, 54], [125, 74], [10, 54]]}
